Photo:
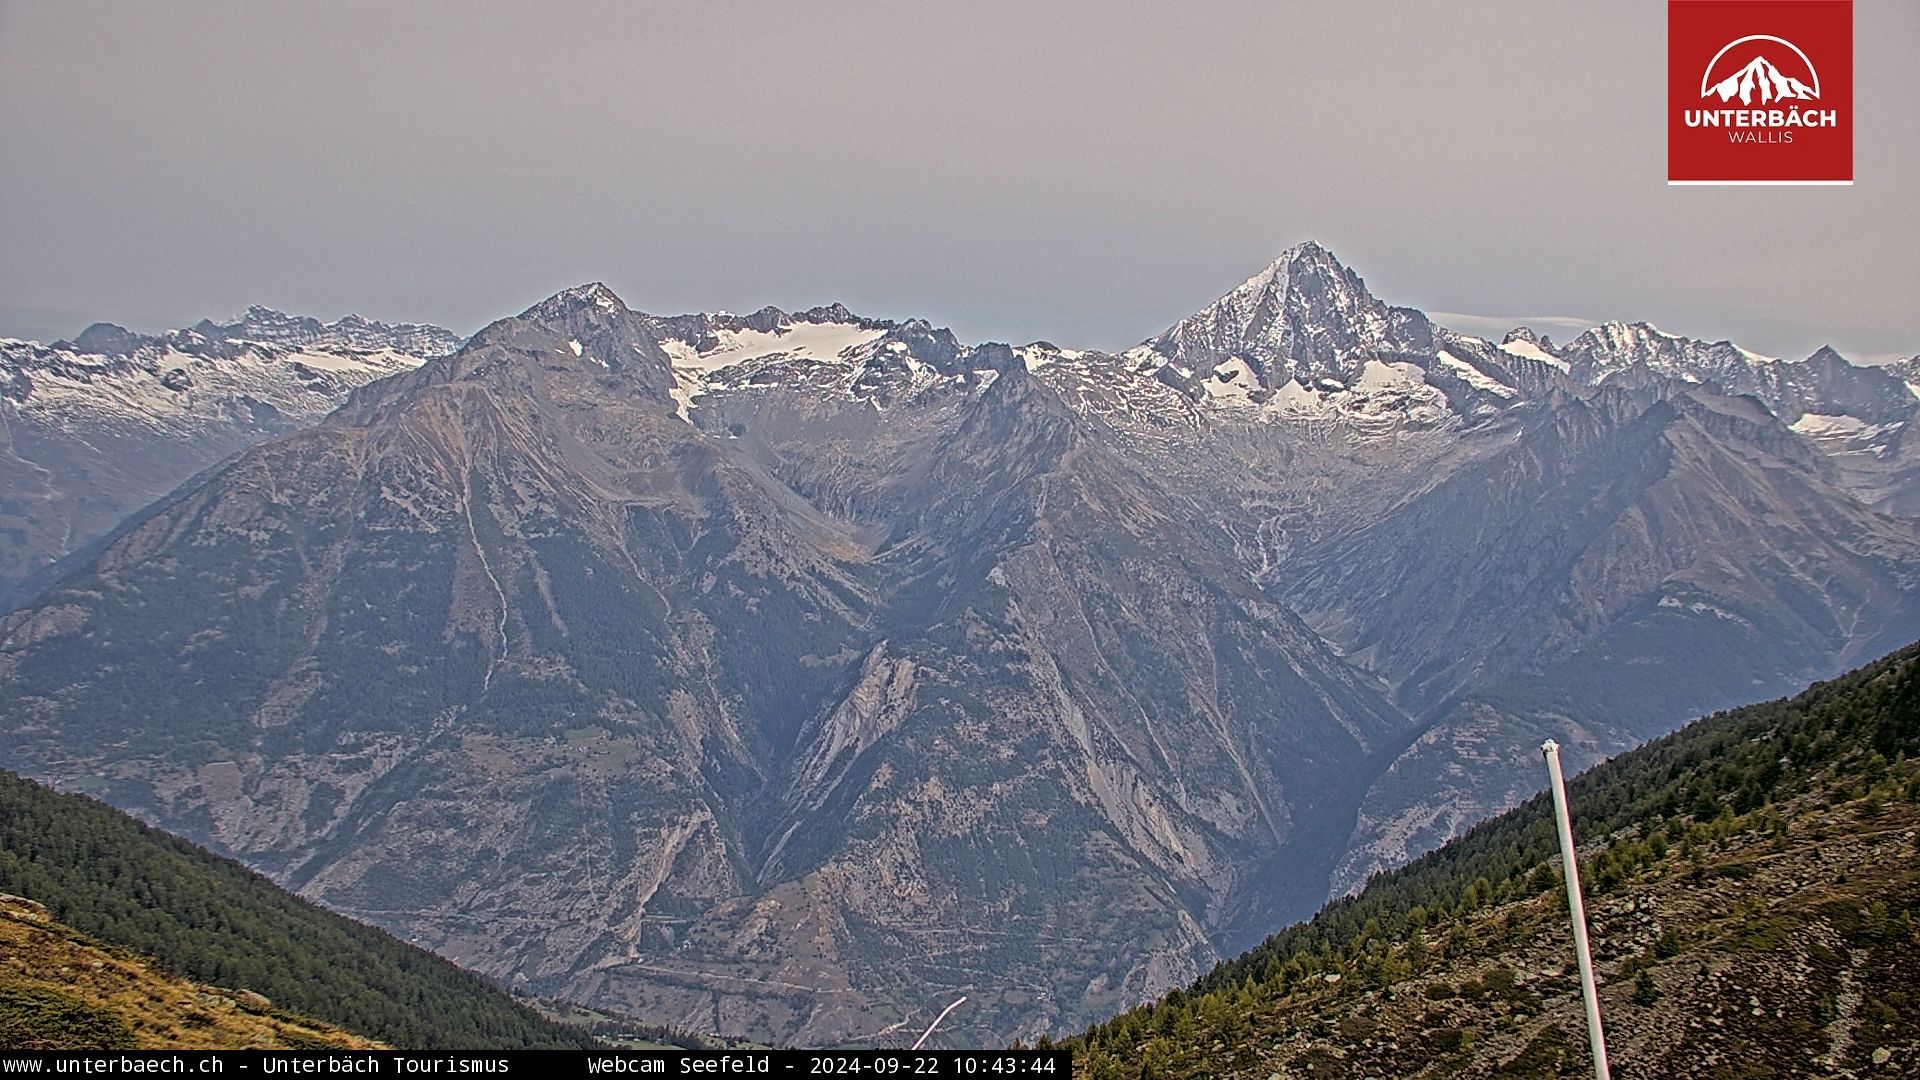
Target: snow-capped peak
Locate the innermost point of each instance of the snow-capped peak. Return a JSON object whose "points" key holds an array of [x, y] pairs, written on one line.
{"points": [[265, 326], [1306, 257], [1306, 261], [263, 372], [590, 296], [260, 323], [597, 294], [1302, 317], [1619, 333]]}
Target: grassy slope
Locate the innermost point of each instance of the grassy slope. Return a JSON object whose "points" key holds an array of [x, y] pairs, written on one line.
{"points": [[211, 920], [1754, 884], [61, 990]]}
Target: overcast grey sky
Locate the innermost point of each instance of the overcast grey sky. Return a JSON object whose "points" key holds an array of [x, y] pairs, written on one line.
{"points": [[1081, 172]]}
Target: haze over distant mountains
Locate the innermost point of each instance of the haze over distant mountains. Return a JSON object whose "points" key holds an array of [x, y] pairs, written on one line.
{"points": [[95, 428], [785, 674]]}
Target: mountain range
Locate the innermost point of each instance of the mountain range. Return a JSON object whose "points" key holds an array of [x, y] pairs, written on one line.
{"points": [[94, 429], [786, 675]]}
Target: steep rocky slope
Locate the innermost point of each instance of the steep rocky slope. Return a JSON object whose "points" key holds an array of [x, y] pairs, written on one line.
{"points": [[682, 742], [1755, 911], [787, 674]]}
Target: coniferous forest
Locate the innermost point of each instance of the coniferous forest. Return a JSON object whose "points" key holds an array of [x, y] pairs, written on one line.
{"points": [[212, 920], [1741, 814]]}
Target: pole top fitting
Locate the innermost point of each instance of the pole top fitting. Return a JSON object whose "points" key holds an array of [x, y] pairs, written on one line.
{"points": [[1549, 747]]}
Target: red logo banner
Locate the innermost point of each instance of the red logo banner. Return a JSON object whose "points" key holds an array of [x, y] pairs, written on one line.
{"points": [[1760, 91]]}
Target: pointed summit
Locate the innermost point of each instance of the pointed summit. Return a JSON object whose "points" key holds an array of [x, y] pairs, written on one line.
{"points": [[1306, 253], [1304, 316], [593, 294], [593, 332], [1304, 260]]}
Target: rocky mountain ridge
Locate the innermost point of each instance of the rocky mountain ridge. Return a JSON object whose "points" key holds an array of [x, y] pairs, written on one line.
{"points": [[260, 325], [784, 675], [93, 429]]}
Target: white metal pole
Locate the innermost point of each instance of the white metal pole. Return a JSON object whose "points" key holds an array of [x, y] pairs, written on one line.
{"points": [[1578, 910], [936, 1023]]}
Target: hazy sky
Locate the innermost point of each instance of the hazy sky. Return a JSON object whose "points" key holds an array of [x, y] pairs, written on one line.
{"points": [[1081, 172]]}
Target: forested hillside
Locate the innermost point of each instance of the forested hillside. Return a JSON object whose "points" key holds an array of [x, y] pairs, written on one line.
{"points": [[213, 921], [61, 990], [1754, 882]]}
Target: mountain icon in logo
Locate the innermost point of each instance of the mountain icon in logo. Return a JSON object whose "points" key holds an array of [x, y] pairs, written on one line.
{"points": [[1760, 79]]}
